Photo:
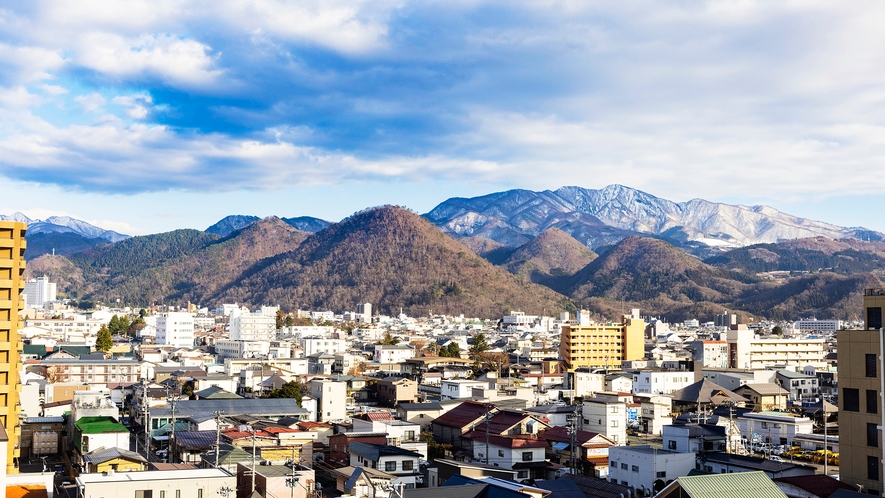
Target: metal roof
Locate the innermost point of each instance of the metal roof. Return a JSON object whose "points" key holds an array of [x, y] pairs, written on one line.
{"points": [[736, 485], [375, 451], [260, 406], [102, 455]]}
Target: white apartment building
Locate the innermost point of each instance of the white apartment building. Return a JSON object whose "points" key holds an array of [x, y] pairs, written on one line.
{"points": [[457, 389], [247, 326], [640, 466], [300, 331], [286, 366], [176, 329], [74, 329], [168, 483], [331, 399], [393, 355], [818, 325], [318, 316], [39, 292], [774, 429], [608, 418], [750, 352], [314, 345], [231, 348], [711, 354], [364, 312], [661, 382], [585, 383], [92, 371]]}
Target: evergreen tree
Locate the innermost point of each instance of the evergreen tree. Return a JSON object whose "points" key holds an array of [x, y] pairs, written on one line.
{"points": [[103, 342], [479, 346], [291, 390]]}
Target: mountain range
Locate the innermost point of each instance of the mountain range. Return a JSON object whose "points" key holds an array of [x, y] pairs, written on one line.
{"points": [[601, 217], [396, 259]]}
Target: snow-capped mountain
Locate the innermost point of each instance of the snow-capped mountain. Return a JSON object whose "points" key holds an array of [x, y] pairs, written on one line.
{"points": [[66, 224], [599, 217]]}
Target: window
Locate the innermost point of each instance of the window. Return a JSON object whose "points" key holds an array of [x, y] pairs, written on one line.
{"points": [[623, 466], [500, 453], [765, 425], [162, 494], [614, 423], [200, 493], [634, 468], [671, 445], [872, 468], [523, 474], [144, 493], [662, 474], [526, 456], [850, 400], [872, 401], [872, 436], [389, 466], [870, 365], [408, 465]]}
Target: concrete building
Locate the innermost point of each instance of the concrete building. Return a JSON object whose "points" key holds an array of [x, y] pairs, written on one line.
{"points": [[747, 351], [39, 292], [12, 267], [830, 326], [395, 390], [602, 345], [390, 357], [711, 354], [91, 371], [642, 467], [168, 483], [661, 381], [314, 345], [608, 418], [331, 399], [176, 329], [860, 399], [233, 348], [247, 326], [364, 311]]}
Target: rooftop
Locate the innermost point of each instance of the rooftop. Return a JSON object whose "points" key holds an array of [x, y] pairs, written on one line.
{"points": [[157, 475]]}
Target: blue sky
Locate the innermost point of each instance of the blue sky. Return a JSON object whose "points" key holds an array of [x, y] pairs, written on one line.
{"points": [[146, 116]]}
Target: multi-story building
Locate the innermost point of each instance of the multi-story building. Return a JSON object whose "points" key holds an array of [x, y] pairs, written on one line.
{"points": [[818, 325], [364, 311], [747, 351], [91, 371], [608, 418], [39, 292], [601, 345], [231, 348], [176, 329], [713, 354], [75, 329], [641, 467], [860, 398], [12, 267], [392, 356], [246, 326], [661, 381], [314, 345], [331, 399]]}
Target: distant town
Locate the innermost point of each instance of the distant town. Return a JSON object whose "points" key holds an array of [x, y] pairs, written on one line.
{"points": [[230, 401]]}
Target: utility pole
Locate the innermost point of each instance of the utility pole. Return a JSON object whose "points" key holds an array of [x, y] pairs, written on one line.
{"points": [[488, 422], [253, 459], [171, 399], [145, 420], [573, 439], [218, 418]]}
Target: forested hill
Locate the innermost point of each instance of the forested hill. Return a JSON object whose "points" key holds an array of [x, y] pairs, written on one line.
{"points": [[394, 259]]}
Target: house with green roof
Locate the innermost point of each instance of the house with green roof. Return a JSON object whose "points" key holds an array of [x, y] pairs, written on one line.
{"points": [[736, 485], [91, 433]]}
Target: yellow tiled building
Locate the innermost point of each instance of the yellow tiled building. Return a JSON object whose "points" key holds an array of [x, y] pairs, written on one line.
{"points": [[12, 283], [602, 345]]}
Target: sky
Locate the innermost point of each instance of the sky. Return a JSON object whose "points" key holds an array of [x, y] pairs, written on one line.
{"points": [[147, 116]]}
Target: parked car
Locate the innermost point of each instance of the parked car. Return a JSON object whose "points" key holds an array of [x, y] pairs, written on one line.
{"points": [[162, 453]]}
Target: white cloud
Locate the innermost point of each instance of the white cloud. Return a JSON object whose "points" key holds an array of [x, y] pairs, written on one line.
{"points": [[90, 103], [174, 60]]}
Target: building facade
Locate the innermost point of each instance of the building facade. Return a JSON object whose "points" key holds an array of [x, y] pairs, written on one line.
{"points": [[39, 292], [860, 455], [12, 267], [176, 329], [601, 345]]}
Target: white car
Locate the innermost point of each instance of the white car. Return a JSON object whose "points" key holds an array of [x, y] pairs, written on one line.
{"points": [[162, 453]]}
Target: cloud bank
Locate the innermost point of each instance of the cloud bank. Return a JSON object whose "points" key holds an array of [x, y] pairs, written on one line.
{"points": [[771, 98]]}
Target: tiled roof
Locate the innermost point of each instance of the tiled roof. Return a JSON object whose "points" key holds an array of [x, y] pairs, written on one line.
{"points": [[819, 485], [463, 414], [375, 451]]}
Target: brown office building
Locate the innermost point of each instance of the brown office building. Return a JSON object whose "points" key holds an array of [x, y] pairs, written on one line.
{"points": [[12, 283], [860, 404]]}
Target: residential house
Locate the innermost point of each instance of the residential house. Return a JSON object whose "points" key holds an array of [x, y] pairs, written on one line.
{"points": [[339, 445], [644, 468], [395, 390], [765, 396], [113, 460], [169, 483], [422, 414], [591, 457], [727, 463], [741, 485], [525, 454], [801, 386], [396, 461]]}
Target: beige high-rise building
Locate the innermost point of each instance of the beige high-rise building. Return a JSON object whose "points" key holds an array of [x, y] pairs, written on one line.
{"points": [[12, 283], [602, 345], [860, 404]]}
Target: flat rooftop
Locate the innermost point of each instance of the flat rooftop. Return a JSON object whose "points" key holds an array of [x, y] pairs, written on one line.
{"points": [[156, 475]]}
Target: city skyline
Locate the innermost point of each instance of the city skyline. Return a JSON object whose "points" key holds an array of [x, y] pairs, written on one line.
{"points": [[162, 115]]}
